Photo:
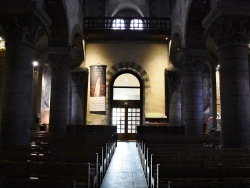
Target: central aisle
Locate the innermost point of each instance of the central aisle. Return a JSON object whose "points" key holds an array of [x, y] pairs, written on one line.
{"points": [[125, 169]]}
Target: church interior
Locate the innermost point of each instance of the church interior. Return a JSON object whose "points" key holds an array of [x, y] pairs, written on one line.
{"points": [[124, 93]]}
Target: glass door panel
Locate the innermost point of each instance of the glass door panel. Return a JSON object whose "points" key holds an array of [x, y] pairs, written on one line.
{"points": [[118, 119], [133, 119], [126, 119]]}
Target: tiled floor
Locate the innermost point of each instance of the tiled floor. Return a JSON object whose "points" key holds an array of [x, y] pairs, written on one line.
{"points": [[125, 169]]}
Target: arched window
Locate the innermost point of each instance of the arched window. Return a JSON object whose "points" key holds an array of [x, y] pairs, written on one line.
{"points": [[136, 24], [126, 87], [118, 24]]}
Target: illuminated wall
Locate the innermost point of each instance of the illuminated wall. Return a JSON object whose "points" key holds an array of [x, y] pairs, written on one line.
{"points": [[151, 56]]}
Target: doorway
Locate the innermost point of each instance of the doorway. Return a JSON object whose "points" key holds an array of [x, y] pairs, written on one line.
{"points": [[126, 105]]}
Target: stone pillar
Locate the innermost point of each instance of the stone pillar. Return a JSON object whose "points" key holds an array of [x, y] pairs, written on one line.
{"points": [[207, 107], [22, 34], [2, 63], [230, 31], [60, 60], [174, 88], [79, 90], [192, 90]]}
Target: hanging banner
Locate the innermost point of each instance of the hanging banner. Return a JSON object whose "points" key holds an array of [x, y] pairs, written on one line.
{"points": [[98, 88]]}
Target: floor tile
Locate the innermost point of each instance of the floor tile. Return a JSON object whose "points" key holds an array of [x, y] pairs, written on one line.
{"points": [[125, 170]]}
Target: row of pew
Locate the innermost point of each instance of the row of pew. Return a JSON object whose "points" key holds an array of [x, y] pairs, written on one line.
{"points": [[76, 159], [179, 161]]}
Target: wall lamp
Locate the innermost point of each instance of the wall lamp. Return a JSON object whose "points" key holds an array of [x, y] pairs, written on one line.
{"points": [[35, 65], [217, 67]]}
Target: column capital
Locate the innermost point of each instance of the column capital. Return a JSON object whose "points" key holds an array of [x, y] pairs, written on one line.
{"points": [[228, 23], [174, 76], [226, 8], [78, 75], [60, 58], [192, 59], [26, 24], [192, 52]]}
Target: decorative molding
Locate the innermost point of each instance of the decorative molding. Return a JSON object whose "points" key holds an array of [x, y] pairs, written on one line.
{"points": [[192, 60], [60, 63], [229, 29], [25, 29], [61, 58], [194, 65], [174, 77], [79, 77]]}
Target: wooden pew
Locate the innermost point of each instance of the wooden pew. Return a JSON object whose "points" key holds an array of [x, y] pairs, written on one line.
{"points": [[166, 174], [78, 173], [36, 183], [97, 142], [94, 147], [201, 148]]}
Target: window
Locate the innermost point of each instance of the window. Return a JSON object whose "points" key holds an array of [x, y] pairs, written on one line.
{"points": [[136, 24], [118, 24], [126, 87]]}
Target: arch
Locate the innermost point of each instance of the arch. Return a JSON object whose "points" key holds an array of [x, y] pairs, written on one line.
{"points": [[124, 72], [59, 34], [126, 67], [123, 7], [196, 13], [176, 44], [76, 32], [114, 6], [77, 44]]}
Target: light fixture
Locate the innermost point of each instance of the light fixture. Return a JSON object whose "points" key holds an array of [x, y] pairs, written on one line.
{"points": [[35, 63], [2, 44], [217, 67]]}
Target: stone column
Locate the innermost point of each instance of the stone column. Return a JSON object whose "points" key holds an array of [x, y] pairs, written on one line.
{"points": [[192, 90], [2, 63], [207, 108], [60, 60], [230, 31], [21, 34], [77, 111], [174, 88]]}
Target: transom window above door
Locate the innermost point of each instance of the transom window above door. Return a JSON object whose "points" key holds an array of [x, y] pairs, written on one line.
{"points": [[126, 87]]}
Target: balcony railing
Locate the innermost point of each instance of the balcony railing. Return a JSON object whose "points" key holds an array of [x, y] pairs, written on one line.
{"points": [[127, 23]]}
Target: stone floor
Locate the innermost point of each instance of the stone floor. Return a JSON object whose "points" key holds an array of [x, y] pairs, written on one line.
{"points": [[125, 169]]}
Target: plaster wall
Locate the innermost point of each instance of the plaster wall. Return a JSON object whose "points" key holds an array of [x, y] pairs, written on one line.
{"points": [[151, 56]]}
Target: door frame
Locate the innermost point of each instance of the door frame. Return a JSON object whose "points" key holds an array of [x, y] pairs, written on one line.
{"points": [[131, 103]]}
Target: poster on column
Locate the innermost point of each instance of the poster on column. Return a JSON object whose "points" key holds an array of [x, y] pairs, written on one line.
{"points": [[98, 88]]}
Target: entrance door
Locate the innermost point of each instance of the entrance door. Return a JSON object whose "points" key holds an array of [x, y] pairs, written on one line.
{"points": [[126, 106]]}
